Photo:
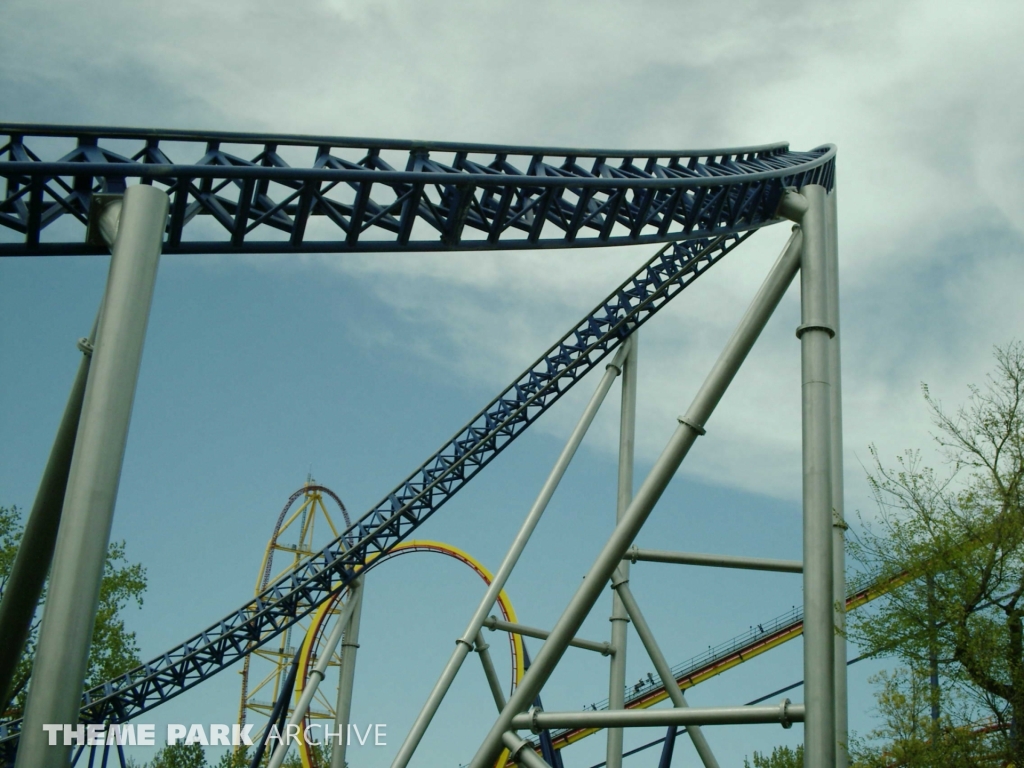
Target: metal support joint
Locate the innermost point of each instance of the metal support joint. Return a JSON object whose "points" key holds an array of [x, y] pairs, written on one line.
{"points": [[792, 206], [521, 752], [784, 717], [104, 219], [801, 330], [85, 346], [695, 427], [535, 727]]}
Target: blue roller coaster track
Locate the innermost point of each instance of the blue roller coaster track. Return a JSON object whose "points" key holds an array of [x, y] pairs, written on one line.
{"points": [[447, 197], [700, 204]]}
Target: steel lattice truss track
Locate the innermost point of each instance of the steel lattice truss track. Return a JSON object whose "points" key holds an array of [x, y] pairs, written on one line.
{"points": [[707, 202], [234, 192]]}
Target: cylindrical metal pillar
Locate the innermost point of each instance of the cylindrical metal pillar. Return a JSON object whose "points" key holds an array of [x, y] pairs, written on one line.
{"points": [[35, 552], [690, 426], [839, 516], [316, 677], [619, 619], [58, 674], [346, 676], [465, 642], [815, 333]]}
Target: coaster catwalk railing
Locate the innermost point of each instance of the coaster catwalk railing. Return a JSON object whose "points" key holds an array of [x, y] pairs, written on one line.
{"points": [[709, 198]]}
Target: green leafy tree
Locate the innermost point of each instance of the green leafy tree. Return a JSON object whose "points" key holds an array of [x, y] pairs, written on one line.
{"points": [[781, 757], [242, 757], [114, 648], [910, 738], [955, 539], [180, 755], [234, 759]]}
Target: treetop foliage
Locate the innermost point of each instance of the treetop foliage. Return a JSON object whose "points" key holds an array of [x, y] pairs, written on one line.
{"points": [[114, 648], [955, 539]]}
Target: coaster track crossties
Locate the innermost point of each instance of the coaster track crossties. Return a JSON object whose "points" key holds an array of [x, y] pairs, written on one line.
{"points": [[703, 204]]}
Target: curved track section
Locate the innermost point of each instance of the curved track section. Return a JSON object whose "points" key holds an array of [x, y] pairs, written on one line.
{"points": [[243, 192], [319, 623], [313, 500], [268, 559]]}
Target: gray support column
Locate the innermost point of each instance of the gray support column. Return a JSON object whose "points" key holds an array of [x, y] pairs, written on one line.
{"points": [[664, 671], [55, 693], [35, 552], [465, 642], [690, 427], [839, 519], [619, 619], [346, 677], [815, 333], [316, 677]]}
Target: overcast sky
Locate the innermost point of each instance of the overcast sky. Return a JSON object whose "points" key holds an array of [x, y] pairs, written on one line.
{"points": [[258, 369]]}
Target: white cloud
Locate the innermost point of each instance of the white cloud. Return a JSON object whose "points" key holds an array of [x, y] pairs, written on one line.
{"points": [[923, 100]]}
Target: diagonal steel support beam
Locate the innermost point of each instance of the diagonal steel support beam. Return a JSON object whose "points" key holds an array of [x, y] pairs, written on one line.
{"points": [[691, 425], [465, 643], [664, 671], [55, 693], [35, 552], [39, 539]]}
